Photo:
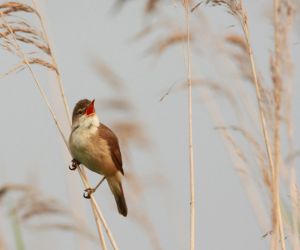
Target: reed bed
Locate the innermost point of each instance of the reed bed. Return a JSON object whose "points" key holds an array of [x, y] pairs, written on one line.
{"points": [[259, 100]]}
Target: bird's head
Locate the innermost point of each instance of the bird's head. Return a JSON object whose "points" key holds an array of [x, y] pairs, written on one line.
{"points": [[84, 113]]}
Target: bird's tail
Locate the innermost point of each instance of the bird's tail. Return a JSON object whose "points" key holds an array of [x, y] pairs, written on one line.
{"points": [[117, 190]]}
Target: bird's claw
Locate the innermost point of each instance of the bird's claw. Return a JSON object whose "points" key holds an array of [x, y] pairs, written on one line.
{"points": [[87, 193], [74, 165]]}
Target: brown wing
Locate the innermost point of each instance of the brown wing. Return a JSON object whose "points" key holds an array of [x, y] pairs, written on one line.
{"points": [[112, 140]]}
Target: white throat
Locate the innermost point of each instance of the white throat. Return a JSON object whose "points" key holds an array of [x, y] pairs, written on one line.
{"points": [[87, 122], [80, 141]]}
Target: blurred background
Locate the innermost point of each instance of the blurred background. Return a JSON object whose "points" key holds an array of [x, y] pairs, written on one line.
{"points": [[130, 57]]}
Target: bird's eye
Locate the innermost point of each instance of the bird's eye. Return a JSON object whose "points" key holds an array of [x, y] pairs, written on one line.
{"points": [[80, 111]]}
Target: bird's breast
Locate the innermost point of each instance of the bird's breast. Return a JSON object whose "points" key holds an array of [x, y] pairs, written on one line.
{"points": [[92, 151]]}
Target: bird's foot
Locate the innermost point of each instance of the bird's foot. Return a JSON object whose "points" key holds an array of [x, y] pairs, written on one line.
{"points": [[87, 192], [75, 164]]}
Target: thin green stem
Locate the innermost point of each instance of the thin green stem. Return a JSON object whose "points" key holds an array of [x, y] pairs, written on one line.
{"points": [[17, 230]]}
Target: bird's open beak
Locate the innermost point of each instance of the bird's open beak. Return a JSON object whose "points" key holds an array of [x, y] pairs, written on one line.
{"points": [[90, 109]]}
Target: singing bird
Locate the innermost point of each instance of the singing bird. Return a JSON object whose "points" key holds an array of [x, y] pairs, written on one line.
{"points": [[96, 146]]}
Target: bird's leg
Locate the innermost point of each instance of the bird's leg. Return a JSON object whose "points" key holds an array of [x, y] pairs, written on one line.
{"points": [[74, 165], [87, 192]]}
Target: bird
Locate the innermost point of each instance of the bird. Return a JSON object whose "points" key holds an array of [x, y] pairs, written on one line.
{"points": [[96, 146]]}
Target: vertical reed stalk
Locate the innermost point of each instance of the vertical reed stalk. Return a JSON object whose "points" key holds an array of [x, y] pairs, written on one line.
{"points": [[190, 115], [277, 81], [277, 221], [259, 98], [295, 208]]}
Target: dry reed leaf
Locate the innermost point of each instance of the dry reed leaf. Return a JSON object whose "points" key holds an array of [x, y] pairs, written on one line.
{"points": [[28, 40], [195, 6], [172, 39], [143, 33], [30, 36], [234, 145], [219, 89], [42, 63], [267, 234], [292, 156], [21, 29], [11, 7], [14, 29], [6, 45], [244, 66], [249, 138], [147, 31], [108, 74], [237, 40], [281, 68], [151, 6], [20, 66], [5, 189], [117, 104], [259, 151], [131, 132], [234, 7], [241, 56], [33, 203], [268, 104], [151, 28], [167, 92], [31, 206]]}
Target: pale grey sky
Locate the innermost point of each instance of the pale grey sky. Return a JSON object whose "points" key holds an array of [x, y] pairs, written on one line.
{"points": [[33, 152]]}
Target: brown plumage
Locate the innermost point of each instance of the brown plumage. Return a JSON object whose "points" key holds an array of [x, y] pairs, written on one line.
{"points": [[96, 146], [107, 134]]}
